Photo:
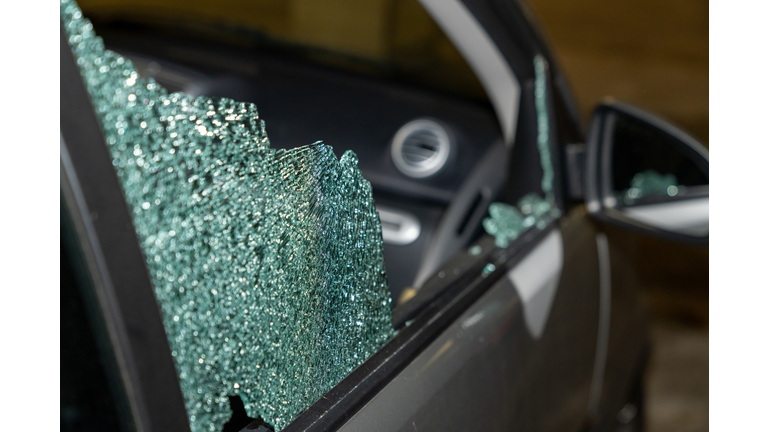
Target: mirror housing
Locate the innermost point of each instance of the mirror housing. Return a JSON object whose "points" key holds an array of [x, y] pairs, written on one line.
{"points": [[645, 174]]}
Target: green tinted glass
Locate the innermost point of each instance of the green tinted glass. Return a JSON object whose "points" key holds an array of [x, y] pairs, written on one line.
{"points": [[507, 222], [267, 265]]}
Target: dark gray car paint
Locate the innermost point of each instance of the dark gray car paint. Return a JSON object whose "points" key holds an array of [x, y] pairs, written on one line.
{"points": [[486, 372]]}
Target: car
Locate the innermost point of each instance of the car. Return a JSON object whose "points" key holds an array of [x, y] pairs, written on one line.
{"points": [[514, 303]]}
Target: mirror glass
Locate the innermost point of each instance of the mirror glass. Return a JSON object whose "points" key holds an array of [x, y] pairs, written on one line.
{"points": [[657, 178], [651, 166]]}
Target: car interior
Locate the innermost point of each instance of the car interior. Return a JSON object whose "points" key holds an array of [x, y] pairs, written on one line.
{"points": [[431, 148], [426, 136]]}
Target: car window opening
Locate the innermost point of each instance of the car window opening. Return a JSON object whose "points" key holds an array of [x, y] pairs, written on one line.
{"points": [[267, 264]]}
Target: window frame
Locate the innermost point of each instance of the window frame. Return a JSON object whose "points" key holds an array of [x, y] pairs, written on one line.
{"points": [[105, 234], [126, 295]]}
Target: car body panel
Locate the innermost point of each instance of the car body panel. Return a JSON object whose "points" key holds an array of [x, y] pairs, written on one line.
{"points": [[466, 358], [487, 371]]}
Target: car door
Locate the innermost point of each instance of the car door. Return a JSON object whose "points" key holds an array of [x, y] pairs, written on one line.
{"points": [[496, 337]]}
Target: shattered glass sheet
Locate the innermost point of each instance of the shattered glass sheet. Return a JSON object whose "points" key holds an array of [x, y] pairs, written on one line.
{"points": [[508, 222], [267, 265], [651, 183]]}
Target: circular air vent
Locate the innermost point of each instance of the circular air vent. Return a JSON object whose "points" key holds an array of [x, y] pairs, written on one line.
{"points": [[420, 148]]}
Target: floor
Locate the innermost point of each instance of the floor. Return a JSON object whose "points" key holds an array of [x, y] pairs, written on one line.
{"points": [[677, 392], [653, 54]]}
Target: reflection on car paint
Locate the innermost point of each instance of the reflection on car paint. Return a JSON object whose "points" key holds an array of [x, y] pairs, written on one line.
{"points": [[536, 279]]}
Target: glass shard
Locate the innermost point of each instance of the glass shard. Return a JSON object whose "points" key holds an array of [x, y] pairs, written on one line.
{"points": [[507, 222], [267, 265], [649, 183]]}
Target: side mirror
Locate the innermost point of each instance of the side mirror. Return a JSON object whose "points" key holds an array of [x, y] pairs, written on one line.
{"points": [[645, 174]]}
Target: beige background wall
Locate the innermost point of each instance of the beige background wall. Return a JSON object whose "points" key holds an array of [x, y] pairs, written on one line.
{"points": [[653, 54], [650, 53]]}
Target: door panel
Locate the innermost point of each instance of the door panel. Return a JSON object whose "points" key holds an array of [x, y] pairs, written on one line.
{"points": [[487, 372], [628, 341]]}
